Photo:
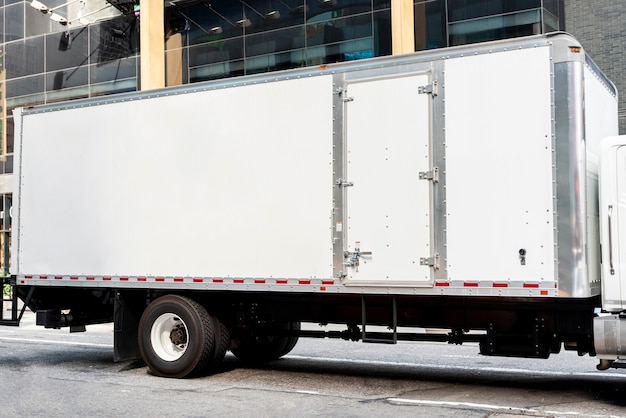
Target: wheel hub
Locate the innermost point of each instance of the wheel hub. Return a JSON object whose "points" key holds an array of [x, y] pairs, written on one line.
{"points": [[178, 336]]}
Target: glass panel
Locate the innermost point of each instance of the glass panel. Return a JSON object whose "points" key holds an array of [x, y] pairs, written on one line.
{"points": [[10, 136], [2, 25], [24, 86], [7, 164], [114, 70], [218, 70], [114, 39], [31, 100], [328, 32], [335, 8], [118, 86], [66, 79], [498, 27], [382, 33], [14, 22], [176, 66], [24, 57], [470, 9], [66, 49], [265, 15], [67, 94], [552, 6], [213, 21], [382, 5], [550, 22], [212, 52], [37, 23], [430, 25], [276, 43]]}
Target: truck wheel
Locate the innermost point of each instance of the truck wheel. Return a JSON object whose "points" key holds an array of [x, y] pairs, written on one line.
{"points": [[176, 336], [264, 348], [292, 340], [222, 342]]}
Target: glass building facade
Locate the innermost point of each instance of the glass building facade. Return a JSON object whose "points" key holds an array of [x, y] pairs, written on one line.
{"points": [[54, 50]]}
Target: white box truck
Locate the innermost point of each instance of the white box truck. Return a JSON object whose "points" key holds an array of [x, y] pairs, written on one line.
{"points": [[454, 189]]}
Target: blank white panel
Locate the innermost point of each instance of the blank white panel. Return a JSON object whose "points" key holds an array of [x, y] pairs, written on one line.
{"points": [[229, 183], [499, 175]]}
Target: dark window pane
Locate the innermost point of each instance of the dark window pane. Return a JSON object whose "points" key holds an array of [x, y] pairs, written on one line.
{"points": [[382, 33], [274, 41], [73, 77], [430, 25], [114, 70], [338, 8], [470, 9], [66, 49], [14, 22], [25, 86], [382, 4], [273, 50], [225, 50], [113, 39], [111, 87], [10, 135], [2, 25], [24, 57], [267, 15], [37, 23], [212, 21], [499, 27], [218, 70]]}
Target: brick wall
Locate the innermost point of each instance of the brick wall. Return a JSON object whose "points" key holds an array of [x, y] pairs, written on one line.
{"points": [[600, 26]]}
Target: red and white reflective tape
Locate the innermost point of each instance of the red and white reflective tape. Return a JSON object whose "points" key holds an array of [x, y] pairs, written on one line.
{"points": [[175, 279], [544, 288]]}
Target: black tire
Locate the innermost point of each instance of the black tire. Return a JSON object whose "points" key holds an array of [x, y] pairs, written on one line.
{"points": [[292, 340], [222, 342], [176, 336], [265, 348]]}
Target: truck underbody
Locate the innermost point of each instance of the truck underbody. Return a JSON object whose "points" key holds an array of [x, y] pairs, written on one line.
{"points": [[523, 327]]}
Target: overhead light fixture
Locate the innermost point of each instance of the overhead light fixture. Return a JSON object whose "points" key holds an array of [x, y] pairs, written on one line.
{"points": [[55, 17], [216, 30], [244, 23], [274, 14], [299, 10], [39, 6]]}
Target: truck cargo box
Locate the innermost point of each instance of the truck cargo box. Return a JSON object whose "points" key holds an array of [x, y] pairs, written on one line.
{"points": [[466, 171]]}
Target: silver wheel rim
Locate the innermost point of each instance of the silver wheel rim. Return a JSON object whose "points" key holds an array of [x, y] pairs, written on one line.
{"points": [[169, 337]]}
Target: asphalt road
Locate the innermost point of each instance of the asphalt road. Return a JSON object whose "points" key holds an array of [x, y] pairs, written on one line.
{"points": [[51, 373]]}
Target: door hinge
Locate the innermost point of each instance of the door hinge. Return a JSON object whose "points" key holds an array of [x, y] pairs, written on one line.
{"points": [[343, 183], [432, 175], [428, 89], [430, 261], [339, 91]]}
